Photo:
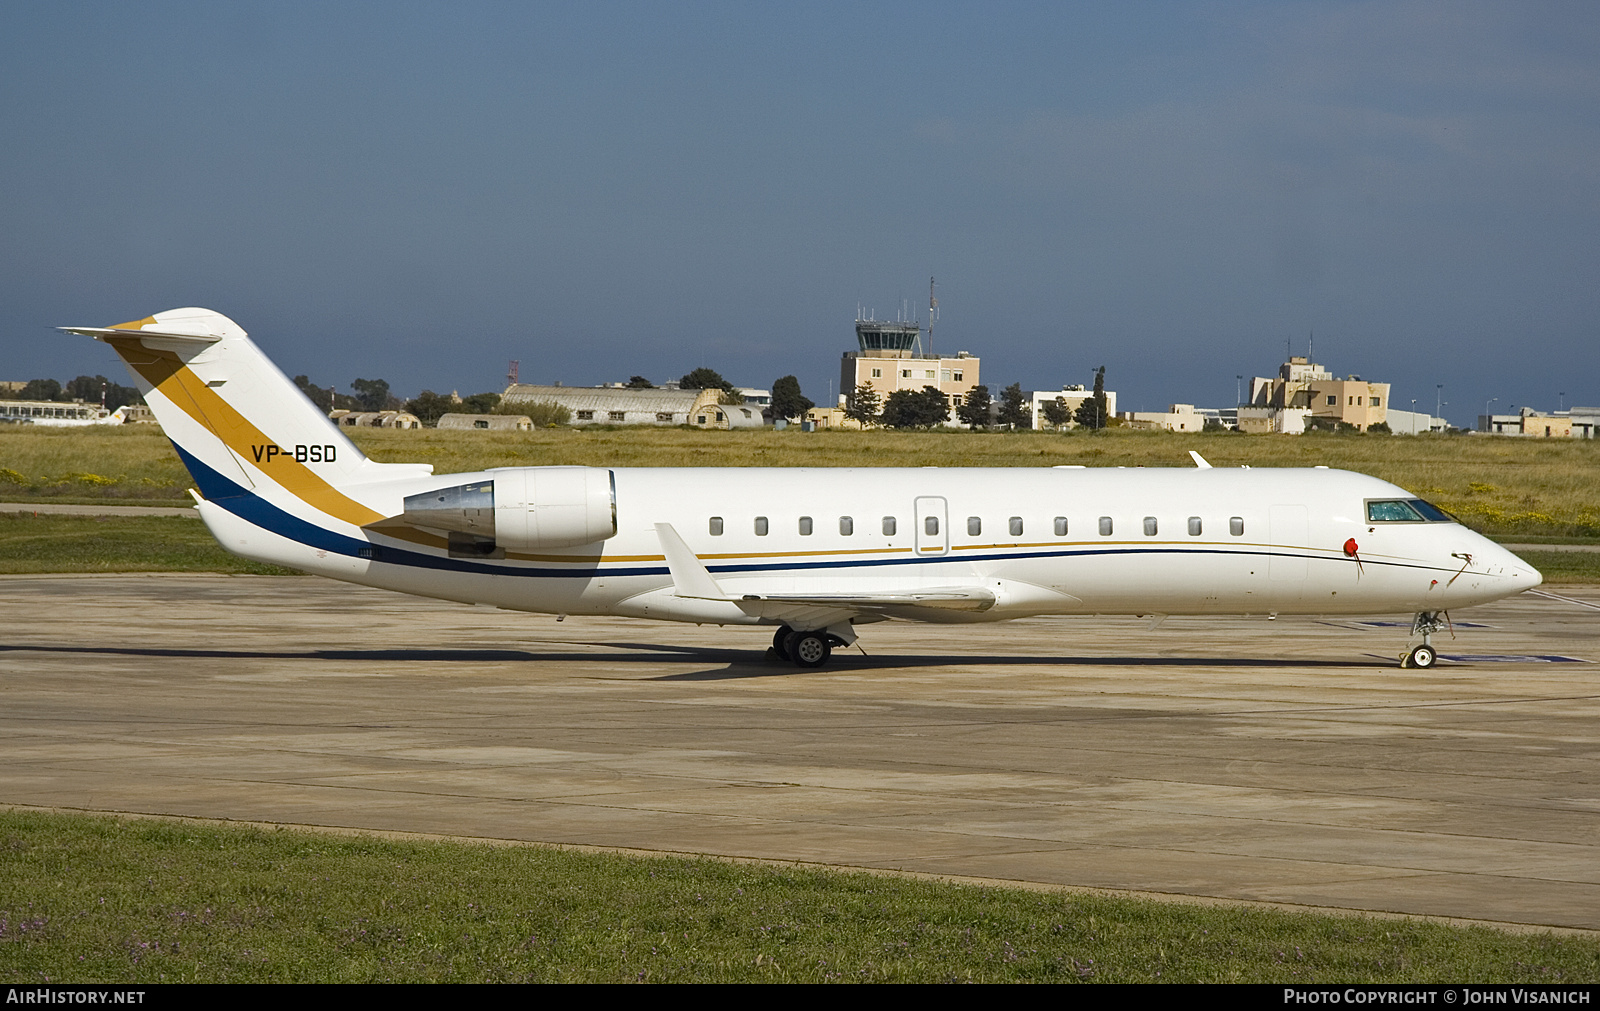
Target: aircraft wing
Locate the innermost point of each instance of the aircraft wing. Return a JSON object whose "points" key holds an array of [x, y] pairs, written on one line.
{"points": [[691, 578]]}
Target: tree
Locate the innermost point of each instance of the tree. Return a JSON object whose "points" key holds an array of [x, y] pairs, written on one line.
{"points": [[326, 399], [1056, 412], [1092, 412], [373, 393], [864, 405], [974, 409], [1014, 409], [429, 407], [88, 389], [40, 389], [922, 408], [480, 403], [705, 379], [787, 400], [543, 413], [640, 383]]}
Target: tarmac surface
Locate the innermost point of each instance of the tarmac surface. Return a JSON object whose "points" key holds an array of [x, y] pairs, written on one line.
{"points": [[1240, 758]]}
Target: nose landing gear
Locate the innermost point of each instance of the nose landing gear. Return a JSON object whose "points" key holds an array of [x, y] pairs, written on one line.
{"points": [[1425, 624]]}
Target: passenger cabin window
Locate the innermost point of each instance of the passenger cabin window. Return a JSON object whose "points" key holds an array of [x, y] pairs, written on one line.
{"points": [[847, 526], [805, 526], [930, 525], [974, 526], [1236, 526], [1105, 526], [761, 526], [1149, 526], [716, 526], [1016, 526], [1194, 526], [888, 526], [1061, 526]]}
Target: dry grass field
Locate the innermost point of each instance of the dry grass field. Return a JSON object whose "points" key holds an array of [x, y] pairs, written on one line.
{"points": [[1508, 488]]}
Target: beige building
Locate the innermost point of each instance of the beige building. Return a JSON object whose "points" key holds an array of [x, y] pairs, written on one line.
{"points": [[625, 405], [1306, 386], [488, 422], [374, 419], [889, 358], [1531, 423], [1072, 397], [1177, 418]]}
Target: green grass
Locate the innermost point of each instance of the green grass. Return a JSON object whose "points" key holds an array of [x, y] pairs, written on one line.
{"points": [[90, 899], [46, 543], [1507, 488], [1559, 567]]}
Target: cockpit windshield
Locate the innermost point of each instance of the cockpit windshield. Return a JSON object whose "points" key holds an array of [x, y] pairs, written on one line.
{"points": [[1412, 510]]}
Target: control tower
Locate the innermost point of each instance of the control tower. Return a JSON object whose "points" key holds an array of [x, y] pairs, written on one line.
{"points": [[889, 357], [883, 339]]}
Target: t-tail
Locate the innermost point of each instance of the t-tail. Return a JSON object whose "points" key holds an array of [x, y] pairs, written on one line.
{"points": [[252, 441]]}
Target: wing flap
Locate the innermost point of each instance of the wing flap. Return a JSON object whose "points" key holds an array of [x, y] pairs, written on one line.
{"points": [[951, 598]]}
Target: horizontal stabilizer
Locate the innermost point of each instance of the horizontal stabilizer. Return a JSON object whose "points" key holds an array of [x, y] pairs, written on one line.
{"points": [[100, 332], [191, 325]]}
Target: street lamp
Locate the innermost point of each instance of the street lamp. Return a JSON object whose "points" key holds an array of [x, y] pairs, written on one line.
{"points": [[1438, 404], [1413, 415], [1488, 419], [1238, 391]]}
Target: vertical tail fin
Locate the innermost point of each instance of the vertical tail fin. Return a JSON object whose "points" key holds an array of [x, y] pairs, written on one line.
{"points": [[241, 426]]}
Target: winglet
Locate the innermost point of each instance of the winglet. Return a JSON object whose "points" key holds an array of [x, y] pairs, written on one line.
{"points": [[1199, 461], [690, 577]]}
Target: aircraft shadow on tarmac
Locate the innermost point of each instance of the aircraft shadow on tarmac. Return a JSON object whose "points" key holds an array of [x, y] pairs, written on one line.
{"points": [[738, 664]]}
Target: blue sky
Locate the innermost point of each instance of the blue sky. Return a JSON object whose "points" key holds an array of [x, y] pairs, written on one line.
{"points": [[420, 192]]}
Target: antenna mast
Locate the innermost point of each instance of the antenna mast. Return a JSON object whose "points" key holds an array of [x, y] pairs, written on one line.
{"points": [[511, 372], [933, 314]]}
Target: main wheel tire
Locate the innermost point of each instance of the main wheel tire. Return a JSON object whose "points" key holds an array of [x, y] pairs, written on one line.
{"points": [[1422, 657], [809, 649], [780, 641]]}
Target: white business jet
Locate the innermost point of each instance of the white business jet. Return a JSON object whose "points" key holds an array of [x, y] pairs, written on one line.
{"points": [[814, 552]]}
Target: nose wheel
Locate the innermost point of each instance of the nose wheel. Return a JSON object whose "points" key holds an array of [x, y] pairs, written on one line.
{"points": [[1425, 624], [1421, 657]]}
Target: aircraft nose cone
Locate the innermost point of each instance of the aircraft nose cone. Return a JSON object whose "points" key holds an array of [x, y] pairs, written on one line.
{"points": [[1522, 574]]}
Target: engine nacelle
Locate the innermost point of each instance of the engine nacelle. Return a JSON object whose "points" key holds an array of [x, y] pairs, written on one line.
{"points": [[523, 508]]}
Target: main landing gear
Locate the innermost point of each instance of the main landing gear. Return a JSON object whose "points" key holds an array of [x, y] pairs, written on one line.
{"points": [[1425, 624], [805, 649]]}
